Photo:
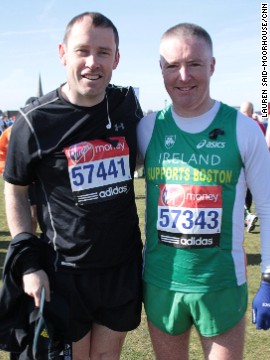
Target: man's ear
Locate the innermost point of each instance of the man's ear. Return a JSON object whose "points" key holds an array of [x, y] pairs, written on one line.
{"points": [[62, 53], [212, 65], [116, 60]]}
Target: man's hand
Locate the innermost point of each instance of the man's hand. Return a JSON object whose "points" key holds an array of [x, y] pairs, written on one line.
{"points": [[34, 282], [261, 307]]}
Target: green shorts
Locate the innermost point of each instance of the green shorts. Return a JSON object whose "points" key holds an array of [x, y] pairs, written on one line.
{"points": [[211, 313]]}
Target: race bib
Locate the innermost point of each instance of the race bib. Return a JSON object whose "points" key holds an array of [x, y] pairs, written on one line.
{"points": [[99, 170], [189, 216]]}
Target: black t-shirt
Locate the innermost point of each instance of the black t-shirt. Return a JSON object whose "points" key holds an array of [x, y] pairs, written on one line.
{"points": [[82, 161]]}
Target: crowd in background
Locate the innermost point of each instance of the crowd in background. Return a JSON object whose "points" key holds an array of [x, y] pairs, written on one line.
{"points": [[6, 122]]}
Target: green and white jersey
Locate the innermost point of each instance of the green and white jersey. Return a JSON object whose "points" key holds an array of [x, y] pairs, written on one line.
{"points": [[196, 184]]}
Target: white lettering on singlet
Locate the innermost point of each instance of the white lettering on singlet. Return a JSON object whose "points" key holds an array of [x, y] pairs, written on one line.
{"points": [[194, 159]]}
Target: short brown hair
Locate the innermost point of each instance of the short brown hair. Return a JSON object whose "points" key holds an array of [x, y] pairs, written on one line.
{"points": [[188, 29], [98, 20]]}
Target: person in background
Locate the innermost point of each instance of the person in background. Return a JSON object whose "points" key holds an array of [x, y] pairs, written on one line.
{"points": [[247, 109], [267, 135], [199, 157], [4, 140], [1, 123], [78, 144]]}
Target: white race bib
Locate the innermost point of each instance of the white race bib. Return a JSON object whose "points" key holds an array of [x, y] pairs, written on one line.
{"points": [[98, 170], [189, 215]]}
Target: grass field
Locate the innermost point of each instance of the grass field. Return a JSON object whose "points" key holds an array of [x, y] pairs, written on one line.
{"points": [[137, 345]]}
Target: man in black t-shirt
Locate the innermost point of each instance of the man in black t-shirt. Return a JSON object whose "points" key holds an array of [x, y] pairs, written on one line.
{"points": [[78, 144]]}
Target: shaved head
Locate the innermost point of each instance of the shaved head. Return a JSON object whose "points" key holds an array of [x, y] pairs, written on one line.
{"points": [[247, 108]]}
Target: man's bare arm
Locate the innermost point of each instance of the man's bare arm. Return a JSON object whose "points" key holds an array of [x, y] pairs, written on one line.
{"points": [[17, 209], [19, 220]]}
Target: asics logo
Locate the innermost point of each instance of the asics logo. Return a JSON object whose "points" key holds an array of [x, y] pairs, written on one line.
{"points": [[211, 144]]}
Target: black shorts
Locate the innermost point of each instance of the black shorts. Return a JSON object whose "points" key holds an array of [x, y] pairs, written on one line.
{"points": [[111, 297]]}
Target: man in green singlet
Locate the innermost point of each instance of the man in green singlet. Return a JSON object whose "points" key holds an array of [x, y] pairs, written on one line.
{"points": [[200, 156]]}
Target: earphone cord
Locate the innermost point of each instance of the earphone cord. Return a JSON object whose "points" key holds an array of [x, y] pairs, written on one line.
{"points": [[109, 125]]}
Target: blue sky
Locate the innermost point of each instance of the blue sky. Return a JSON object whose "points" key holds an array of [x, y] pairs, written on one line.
{"points": [[30, 31]]}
